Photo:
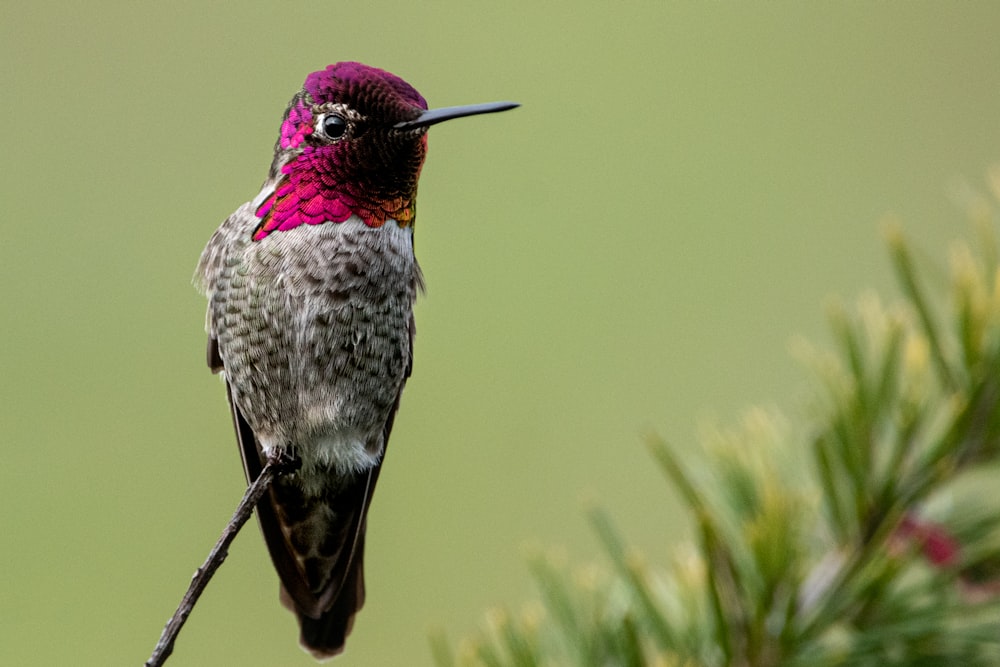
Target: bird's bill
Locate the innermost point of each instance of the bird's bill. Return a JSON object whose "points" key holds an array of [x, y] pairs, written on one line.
{"points": [[434, 116]]}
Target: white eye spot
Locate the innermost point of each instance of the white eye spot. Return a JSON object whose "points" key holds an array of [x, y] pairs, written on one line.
{"points": [[335, 121]]}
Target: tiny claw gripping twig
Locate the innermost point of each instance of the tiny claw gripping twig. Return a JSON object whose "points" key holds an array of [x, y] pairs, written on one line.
{"points": [[283, 463], [279, 463]]}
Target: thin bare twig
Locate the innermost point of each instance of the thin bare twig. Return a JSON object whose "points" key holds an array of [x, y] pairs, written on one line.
{"points": [[203, 575]]}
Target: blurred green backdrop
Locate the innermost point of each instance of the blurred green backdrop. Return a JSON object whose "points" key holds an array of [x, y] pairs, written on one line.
{"points": [[631, 250]]}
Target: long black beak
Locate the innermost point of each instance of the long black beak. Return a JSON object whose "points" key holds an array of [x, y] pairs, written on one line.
{"points": [[433, 116]]}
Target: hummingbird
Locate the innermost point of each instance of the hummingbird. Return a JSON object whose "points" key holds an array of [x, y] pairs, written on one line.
{"points": [[310, 290]]}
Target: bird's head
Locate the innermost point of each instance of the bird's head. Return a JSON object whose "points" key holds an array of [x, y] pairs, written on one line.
{"points": [[352, 142]]}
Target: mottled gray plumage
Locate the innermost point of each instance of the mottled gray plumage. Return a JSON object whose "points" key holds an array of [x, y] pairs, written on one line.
{"points": [[314, 327]]}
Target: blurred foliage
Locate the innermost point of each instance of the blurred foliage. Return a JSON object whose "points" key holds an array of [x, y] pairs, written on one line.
{"points": [[868, 535]]}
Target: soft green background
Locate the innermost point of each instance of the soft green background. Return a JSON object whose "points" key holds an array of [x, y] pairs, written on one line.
{"points": [[633, 249]]}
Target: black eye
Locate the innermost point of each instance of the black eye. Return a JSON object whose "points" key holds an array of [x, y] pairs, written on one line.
{"points": [[334, 126]]}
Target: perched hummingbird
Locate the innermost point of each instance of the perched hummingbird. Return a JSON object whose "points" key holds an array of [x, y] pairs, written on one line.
{"points": [[311, 288]]}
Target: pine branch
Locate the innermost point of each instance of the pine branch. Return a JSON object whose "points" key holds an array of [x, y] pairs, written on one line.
{"points": [[275, 467], [868, 535]]}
